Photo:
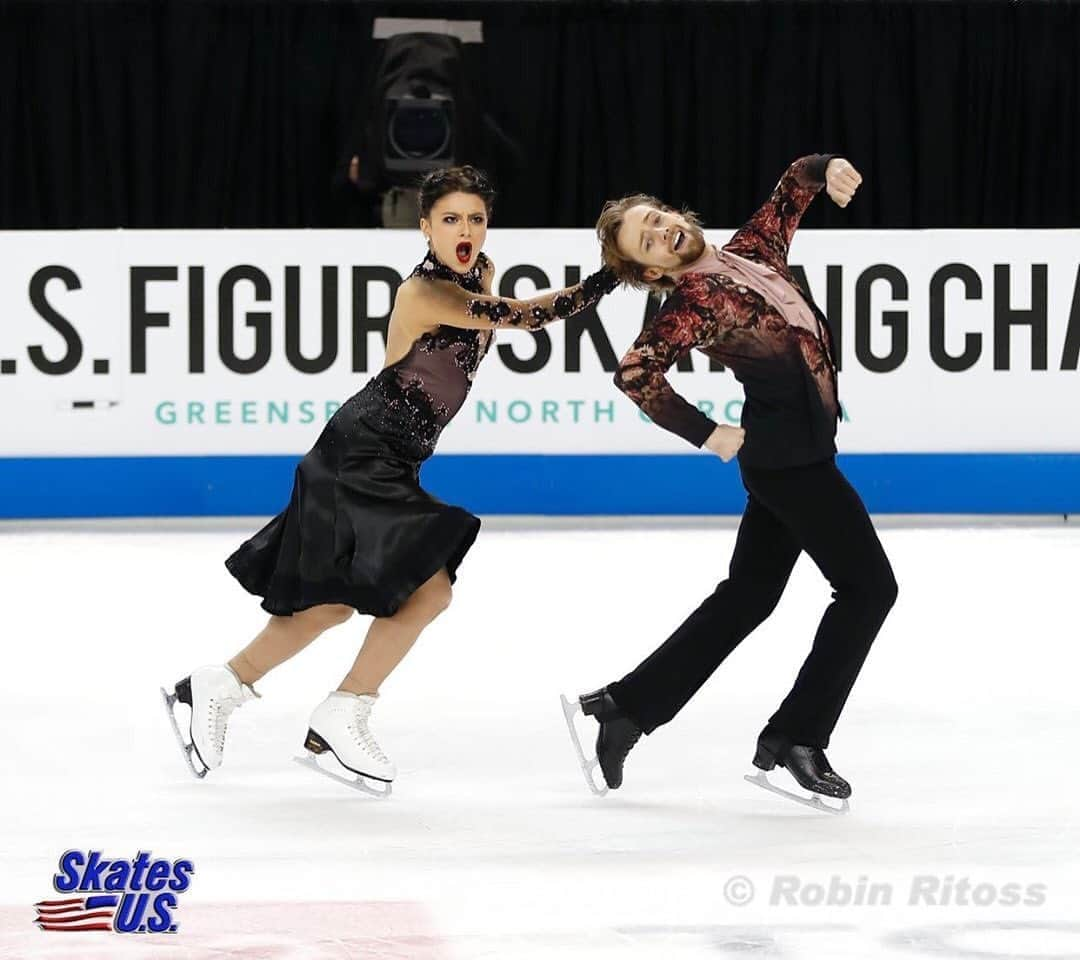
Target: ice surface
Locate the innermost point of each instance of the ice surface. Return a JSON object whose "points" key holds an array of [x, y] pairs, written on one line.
{"points": [[959, 741]]}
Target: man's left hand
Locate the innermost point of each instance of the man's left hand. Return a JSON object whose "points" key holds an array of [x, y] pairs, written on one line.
{"points": [[841, 181]]}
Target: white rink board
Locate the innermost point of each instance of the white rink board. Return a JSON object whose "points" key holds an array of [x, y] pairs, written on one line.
{"points": [[116, 308]]}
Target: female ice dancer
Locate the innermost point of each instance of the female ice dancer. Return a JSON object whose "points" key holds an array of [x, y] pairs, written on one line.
{"points": [[360, 533]]}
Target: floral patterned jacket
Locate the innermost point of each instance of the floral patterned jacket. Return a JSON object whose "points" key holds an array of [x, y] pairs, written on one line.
{"points": [[788, 372]]}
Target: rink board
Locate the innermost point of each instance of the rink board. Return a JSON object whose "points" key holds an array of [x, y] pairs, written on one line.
{"points": [[184, 372], [537, 485]]}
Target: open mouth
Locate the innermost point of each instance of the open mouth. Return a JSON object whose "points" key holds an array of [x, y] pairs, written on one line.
{"points": [[679, 238], [464, 252]]}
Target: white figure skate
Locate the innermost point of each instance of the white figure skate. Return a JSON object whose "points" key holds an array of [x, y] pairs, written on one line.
{"points": [[211, 694], [339, 738]]}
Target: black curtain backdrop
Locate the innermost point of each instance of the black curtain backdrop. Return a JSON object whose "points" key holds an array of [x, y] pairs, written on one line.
{"points": [[226, 114]]}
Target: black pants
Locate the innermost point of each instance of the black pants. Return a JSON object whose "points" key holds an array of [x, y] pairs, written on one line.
{"points": [[811, 508]]}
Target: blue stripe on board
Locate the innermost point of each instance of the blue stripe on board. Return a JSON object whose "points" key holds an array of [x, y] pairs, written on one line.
{"points": [[533, 484]]}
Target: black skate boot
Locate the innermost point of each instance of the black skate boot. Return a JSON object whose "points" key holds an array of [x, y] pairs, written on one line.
{"points": [[808, 765], [617, 735]]}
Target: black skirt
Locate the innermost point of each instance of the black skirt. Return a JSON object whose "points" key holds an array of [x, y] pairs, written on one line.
{"points": [[359, 529]]}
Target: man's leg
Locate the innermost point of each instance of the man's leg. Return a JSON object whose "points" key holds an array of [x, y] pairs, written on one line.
{"points": [[831, 524], [660, 686]]}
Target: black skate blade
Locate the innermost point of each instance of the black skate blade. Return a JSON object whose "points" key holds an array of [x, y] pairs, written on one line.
{"points": [[358, 781], [188, 749], [572, 708], [814, 801]]}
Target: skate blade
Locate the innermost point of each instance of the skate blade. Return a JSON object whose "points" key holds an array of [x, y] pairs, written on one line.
{"points": [[813, 801], [187, 749], [357, 781], [570, 709]]}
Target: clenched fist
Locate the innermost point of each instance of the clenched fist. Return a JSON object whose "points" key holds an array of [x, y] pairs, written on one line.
{"points": [[841, 181], [725, 441]]}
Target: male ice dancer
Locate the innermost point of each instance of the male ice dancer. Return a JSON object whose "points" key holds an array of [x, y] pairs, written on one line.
{"points": [[741, 305]]}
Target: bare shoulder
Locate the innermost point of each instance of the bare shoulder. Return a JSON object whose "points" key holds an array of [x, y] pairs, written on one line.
{"points": [[413, 305], [410, 291], [406, 302], [413, 300], [418, 291]]}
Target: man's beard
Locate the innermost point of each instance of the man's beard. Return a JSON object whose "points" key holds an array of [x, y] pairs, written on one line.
{"points": [[693, 246]]}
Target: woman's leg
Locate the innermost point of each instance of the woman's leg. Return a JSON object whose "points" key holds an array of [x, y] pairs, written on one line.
{"points": [[284, 637], [339, 724], [390, 638]]}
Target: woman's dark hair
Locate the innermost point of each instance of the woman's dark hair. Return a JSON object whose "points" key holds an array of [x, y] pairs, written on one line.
{"points": [[464, 179]]}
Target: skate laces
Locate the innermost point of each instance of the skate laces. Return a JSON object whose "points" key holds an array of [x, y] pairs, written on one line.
{"points": [[358, 725], [219, 713]]}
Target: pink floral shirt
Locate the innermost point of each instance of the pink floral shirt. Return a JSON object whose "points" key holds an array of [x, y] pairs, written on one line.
{"points": [[745, 309]]}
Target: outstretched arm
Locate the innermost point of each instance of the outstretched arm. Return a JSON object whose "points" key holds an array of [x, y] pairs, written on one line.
{"points": [[440, 302], [766, 236]]}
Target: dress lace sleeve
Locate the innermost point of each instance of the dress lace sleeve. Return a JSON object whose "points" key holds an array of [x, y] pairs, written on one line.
{"points": [[447, 304], [766, 236], [686, 320]]}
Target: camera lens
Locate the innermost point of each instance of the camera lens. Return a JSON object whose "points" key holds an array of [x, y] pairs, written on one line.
{"points": [[420, 132]]}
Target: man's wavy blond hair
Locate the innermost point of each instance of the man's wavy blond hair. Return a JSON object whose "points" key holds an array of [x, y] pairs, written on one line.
{"points": [[611, 219]]}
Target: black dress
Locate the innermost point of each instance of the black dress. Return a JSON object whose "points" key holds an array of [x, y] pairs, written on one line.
{"points": [[359, 529]]}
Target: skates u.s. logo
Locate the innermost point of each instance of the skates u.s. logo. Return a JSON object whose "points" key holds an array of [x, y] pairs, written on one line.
{"points": [[124, 896]]}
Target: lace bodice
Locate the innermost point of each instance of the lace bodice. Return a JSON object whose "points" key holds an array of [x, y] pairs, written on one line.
{"points": [[412, 400]]}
